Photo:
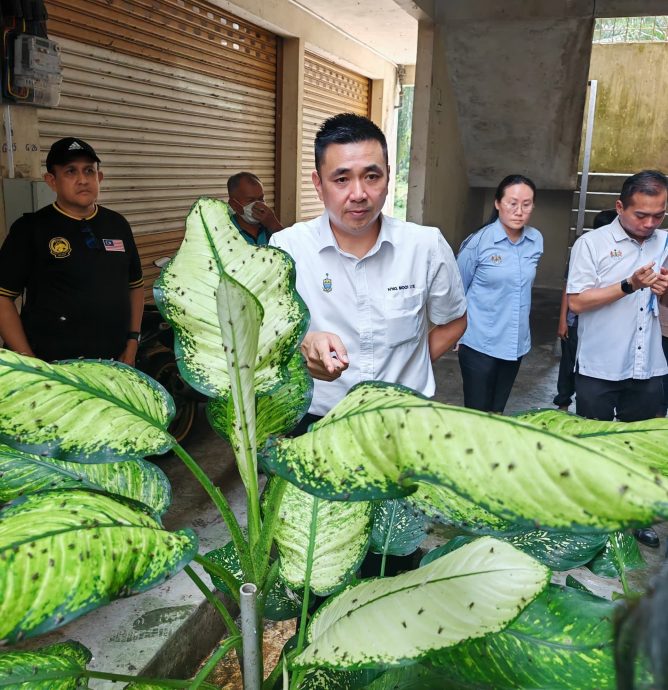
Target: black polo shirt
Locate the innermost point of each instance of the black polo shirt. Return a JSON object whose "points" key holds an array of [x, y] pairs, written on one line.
{"points": [[77, 275]]}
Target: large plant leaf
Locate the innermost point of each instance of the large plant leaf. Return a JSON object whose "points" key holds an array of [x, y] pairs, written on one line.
{"points": [[561, 641], [328, 679], [476, 590], [441, 504], [415, 677], [282, 603], [277, 412], [646, 440], [381, 438], [24, 473], [342, 540], [64, 553], [34, 670], [213, 246], [240, 315], [83, 411], [397, 529], [556, 550], [608, 564]]}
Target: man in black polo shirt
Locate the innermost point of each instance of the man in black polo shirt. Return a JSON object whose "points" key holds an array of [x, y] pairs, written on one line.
{"points": [[254, 220], [79, 266]]}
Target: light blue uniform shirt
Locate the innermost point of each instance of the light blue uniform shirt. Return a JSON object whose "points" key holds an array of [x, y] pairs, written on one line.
{"points": [[498, 275]]}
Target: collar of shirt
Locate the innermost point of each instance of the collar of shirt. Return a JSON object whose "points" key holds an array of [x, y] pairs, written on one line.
{"points": [[388, 233], [262, 233], [619, 234], [500, 234]]}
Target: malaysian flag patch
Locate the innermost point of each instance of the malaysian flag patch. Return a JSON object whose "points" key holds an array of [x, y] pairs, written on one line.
{"points": [[113, 245]]}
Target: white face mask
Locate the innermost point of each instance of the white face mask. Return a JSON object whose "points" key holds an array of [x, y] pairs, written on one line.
{"points": [[247, 215]]}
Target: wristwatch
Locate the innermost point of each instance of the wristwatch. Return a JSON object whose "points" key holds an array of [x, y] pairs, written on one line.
{"points": [[134, 335], [627, 288]]}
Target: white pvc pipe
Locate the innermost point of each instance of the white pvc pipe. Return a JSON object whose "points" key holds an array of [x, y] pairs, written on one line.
{"points": [[252, 654], [584, 181]]}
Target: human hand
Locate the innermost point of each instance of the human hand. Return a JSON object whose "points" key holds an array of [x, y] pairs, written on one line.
{"points": [[325, 355], [266, 216], [129, 355], [644, 277], [562, 329], [661, 284]]}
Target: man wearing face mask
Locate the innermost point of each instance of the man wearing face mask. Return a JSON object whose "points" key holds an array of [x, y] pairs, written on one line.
{"points": [[252, 217]]}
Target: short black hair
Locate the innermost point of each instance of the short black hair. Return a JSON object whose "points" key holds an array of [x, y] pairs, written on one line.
{"points": [[347, 128], [604, 218], [234, 181], [649, 182]]}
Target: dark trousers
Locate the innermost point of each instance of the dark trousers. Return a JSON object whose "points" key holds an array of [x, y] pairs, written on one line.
{"points": [[303, 425], [630, 400], [566, 379], [487, 380], [663, 408]]}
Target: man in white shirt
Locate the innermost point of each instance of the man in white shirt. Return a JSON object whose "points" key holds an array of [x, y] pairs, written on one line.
{"points": [[615, 279], [373, 284]]}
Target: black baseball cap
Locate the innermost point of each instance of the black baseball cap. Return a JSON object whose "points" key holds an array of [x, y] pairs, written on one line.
{"points": [[64, 150]]}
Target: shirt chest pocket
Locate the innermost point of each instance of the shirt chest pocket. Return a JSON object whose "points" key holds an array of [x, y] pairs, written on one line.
{"points": [[404, 318]]}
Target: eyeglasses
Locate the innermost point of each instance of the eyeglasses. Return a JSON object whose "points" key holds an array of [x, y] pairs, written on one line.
{"points": [[90, 238], [513, 206]]}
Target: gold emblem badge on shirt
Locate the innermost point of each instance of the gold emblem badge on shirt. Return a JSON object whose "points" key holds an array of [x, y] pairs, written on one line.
{"points": [[59, 247], [327, 283], [615, 254]]}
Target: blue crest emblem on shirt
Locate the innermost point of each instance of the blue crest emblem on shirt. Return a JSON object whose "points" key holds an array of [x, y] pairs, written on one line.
{"points": [[327, 283]]}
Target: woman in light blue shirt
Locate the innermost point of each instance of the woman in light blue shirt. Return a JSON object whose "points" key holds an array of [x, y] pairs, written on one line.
{"points": [[498, 267]]}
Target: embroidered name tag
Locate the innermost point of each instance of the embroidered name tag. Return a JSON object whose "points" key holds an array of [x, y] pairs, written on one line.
{"points": [[113, 245]]}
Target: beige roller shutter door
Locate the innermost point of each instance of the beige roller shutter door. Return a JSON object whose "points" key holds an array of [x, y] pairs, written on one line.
{"points": [[174, 96], [328, 90]]}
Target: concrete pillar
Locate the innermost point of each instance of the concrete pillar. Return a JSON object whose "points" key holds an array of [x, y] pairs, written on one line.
{"points": [[289, 130]]}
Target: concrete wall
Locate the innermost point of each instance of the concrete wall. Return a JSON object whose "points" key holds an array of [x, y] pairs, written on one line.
{"points": [[631, 122]]}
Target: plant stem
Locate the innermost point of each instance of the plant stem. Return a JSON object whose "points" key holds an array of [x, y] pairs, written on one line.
{"points": [[226, 513], [271, 679], [214, 601], [297, 677], [206, 670], [387, 539], [137, 681], [273, 497]]}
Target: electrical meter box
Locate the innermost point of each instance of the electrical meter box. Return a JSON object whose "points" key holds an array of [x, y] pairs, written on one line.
{"points": [[37, 70]]}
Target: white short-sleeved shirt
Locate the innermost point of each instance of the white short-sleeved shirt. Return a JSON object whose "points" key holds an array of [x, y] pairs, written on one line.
{"points": [[621, 340], [380, 305]]}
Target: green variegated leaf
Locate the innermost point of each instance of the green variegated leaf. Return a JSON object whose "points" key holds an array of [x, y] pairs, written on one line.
{"points": [[471, 592], [608, 564], [342, 540], [556, 550], [563, 641], [282, 603], [328, 679], [444, 505], [240, 315], [24, 473], [646, 440], [397, 529], [83, 411], [414, 677], [576, 584], [381, 438], [66, 552], [277, 412], [213, 246], [56, 667]]}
